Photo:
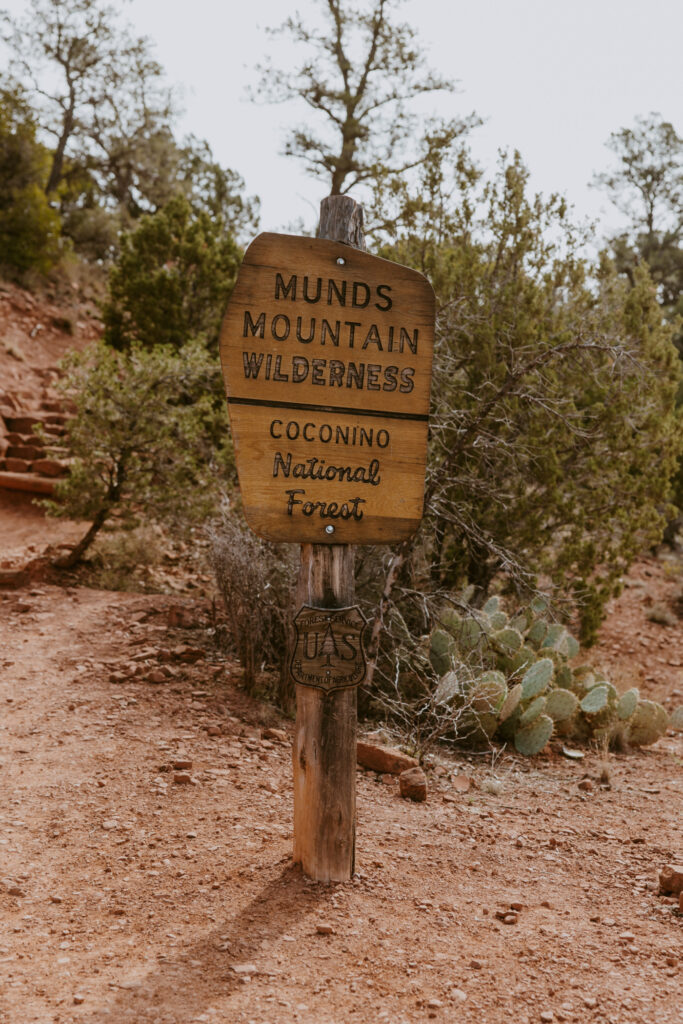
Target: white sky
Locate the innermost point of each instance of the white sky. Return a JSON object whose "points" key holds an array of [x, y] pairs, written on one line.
{"points": [[552, 79]]}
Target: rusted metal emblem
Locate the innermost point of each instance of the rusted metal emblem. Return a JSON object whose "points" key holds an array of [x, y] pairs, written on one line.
{"points": [[329, 651]]}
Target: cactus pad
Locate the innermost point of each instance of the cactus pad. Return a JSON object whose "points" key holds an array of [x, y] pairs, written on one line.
{"points": [[488, 693], [676, 719], [537, 678], [561, 704], [508, 640], [499, 620], [492, 606], [440, 651], [537, 632], [648, 723], [531, 713], [532, 738], [539, 605], [448, 687], [510, 703], [596, 700]]}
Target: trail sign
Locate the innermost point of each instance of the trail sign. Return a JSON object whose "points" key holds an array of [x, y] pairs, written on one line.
{"points": [[327, 358]]}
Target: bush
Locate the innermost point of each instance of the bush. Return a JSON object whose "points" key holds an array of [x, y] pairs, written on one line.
{"points": [[29, 227], [254, 579], [148, 441], [171, 280]]}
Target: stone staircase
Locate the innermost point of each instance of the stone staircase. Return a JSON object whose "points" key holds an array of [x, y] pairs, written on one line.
{"points": [[26, 462]]}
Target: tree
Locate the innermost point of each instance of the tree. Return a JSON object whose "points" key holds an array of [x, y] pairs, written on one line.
{"points": [[96, 87], [171, 281], [360, 74], [148, 439], [29, 228], [554, 435], [647, 187]]}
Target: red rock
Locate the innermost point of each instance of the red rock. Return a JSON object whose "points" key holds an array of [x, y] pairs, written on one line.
{"points": [[586, 785], [17, 465], [182, 778], [383, 759], [24, 451], [275, 734], [182, 764], [50, 467], [214, 730], [323, 928], [156, 676], [413, 784], [671, 879]]}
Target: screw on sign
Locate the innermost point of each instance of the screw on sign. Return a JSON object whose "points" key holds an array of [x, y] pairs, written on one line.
{"points": [[327, 359]]}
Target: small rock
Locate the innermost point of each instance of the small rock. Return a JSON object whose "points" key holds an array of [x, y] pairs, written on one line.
{"points": [[516, 906], [671, 879], [413, 785], [182, 764], [590, 1001], [214, 730], [78, 999], [275, 734], [15, 890], [461, 783], [388, 780], [156, 676], [54, 898], [458, 994], [110, 825], [324, 928], [547, 1016], [510, 918], [182, 778], [244, 968], [434, 1004], [627, 936], [383, 759], [117, 677], [586, 785], [476, 965]]}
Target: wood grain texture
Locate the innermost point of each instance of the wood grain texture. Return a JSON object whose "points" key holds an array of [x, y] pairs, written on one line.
{"points": [[324, 751], [328, 372]]}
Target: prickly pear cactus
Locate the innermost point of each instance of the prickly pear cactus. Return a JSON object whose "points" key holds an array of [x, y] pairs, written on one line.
{"points": [[537, 678], [676, 719], [441, 649], [511, 703], [648, 723], [532, 738], [561, 705], [596, 700], [507, 640], [532, 712]]}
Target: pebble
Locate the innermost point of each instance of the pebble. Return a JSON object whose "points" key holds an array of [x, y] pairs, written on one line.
{"points": [[457, 993], [547, 1016], [110, 825], [586, 785], [182, 778], [15, 890], [324, 928], [156, 676], [275, 734], [214, 730], [476, 965], [244, 968], [434, 1004], [78, 999], [54, 898], [182, 764], [590, 1001]]}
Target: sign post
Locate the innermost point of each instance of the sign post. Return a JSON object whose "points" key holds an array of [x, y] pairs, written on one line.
{"points": [[326, 353]]}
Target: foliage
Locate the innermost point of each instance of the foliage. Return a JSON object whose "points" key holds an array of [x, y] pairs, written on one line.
{"points": [[360, 73], [553, 431], [29, 227], [97, 89], [479, 677], [646, 185], [171, 281], [254, 579], [148, 440]]}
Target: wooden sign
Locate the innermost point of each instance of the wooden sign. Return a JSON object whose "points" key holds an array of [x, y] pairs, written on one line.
{"points": [[328, 652], [327, 358]]}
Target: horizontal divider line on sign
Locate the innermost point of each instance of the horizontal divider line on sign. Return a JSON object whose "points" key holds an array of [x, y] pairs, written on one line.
{"points": [[382, 413]]}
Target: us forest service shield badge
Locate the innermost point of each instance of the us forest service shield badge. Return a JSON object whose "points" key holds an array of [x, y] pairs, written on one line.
{"points": [[329, 652]]}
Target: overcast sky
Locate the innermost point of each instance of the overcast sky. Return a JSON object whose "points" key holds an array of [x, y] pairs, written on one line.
{"points": [[551, 79]]}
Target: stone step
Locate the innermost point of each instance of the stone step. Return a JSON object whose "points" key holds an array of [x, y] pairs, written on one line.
{"points": [[23, 423], [30, 482], [50, 467], [24, 451]]}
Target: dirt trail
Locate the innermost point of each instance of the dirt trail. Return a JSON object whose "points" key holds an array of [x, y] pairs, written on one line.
{"points": [[128, 897]]}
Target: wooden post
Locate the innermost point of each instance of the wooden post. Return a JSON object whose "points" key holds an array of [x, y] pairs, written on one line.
{"points": [[324, 753]]}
